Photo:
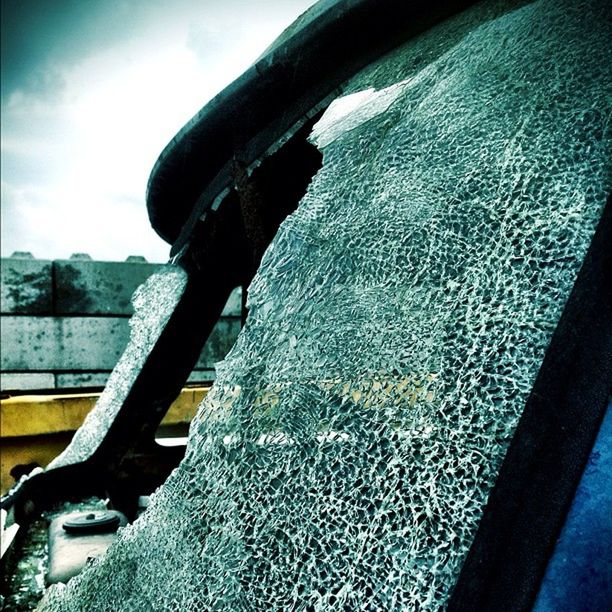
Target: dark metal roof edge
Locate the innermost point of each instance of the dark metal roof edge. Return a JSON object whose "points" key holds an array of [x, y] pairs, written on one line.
{"points": [[244, 81], [275, 94]]}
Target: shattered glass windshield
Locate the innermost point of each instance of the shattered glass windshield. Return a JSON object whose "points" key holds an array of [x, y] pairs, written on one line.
{"points": [[396, 325], [154, 302]]}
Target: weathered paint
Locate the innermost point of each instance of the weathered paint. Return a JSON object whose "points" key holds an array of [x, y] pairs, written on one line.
{"points": [[97, 287], [25, 286]]}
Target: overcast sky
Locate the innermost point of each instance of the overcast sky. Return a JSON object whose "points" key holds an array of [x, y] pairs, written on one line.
{"points": [[92, 90]]}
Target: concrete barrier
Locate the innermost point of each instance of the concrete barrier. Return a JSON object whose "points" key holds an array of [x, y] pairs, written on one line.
{"points": [[82, 287], [26, 285], [65, 323], [62, 343]]}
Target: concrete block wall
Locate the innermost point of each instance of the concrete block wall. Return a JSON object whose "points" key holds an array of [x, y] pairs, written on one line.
{"points": [[65, 323]]}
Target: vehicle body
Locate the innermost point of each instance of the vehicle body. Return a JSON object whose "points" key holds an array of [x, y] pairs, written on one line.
{"points": [[227, 187]]}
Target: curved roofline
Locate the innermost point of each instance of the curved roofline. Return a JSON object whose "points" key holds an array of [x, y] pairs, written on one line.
{"points": [[275, 96]]}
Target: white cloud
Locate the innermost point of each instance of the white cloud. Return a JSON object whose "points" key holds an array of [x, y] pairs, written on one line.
{"points": [[49, 223], [79, 162]]}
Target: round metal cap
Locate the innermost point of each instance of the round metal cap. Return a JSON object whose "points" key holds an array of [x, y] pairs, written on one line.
{"points": [[92, 522]]}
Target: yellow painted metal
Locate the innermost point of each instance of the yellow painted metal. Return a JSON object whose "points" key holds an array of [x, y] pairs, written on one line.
{"points": [[36, 428], [32, 415]]}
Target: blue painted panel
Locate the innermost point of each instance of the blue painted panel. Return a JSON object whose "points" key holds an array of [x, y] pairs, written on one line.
{"points": [[579, 575]]}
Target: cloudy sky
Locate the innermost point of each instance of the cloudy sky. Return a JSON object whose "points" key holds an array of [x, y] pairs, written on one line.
{"points": [[92, 90]]}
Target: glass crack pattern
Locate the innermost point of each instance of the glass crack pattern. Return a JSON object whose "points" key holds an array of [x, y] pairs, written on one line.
{"points": [[397, 323], [154, 301]]}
